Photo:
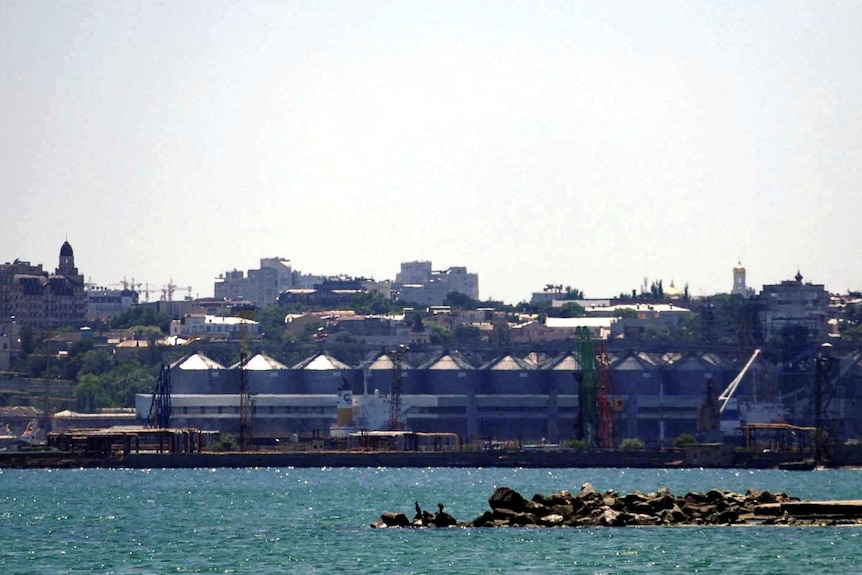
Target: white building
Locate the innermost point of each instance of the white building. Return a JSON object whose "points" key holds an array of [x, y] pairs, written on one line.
{"points": [[262, 286], [420, 284], [102, 303], [214, 327]]}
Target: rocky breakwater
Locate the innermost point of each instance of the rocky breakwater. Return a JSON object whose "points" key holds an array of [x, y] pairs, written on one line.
{"points": [[592, 508]]}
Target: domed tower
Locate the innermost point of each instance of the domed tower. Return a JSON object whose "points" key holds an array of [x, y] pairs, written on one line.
{"points": [[67, 264], [673, 292], [739, 286], [67, 258]]}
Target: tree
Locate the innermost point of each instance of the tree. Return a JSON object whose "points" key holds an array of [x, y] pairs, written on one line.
{"points": [[722, 318], [96, 362], [92, 393], [370, 303], [851, 323], [141, 315], [28, 340], [271, 321], [439, 335], [457, 300], [569, 309], [631, 444], [572, 293], [690, 327], [465, 333], [146, 332]]}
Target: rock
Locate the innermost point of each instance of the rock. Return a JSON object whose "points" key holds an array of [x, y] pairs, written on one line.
{"points": [[766, 497], [564, 510], [552, 520], [536, 508], [695, 497], [504, 513], [392, 519], [504, 497], [483, 520], [726, 517], [443, 519], [588, 492], [611, 518], [524, 520]]}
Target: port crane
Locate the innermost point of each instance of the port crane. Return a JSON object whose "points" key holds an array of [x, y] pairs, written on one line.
{"points": [[597, 400], [726, 395]]}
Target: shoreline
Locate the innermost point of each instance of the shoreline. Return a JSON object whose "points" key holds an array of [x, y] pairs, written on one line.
{"points": [[649, 459]]}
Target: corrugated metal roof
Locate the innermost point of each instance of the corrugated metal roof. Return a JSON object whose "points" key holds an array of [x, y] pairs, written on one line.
{"points": [[448, 362], [384, 362], [634, 361], [536, 358], [566, 363], [321, 362], [507, 363], [196, 362], [260, 362]]}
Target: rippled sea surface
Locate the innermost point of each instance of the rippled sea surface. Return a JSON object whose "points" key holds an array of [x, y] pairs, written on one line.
{"points": [[283, 520]]}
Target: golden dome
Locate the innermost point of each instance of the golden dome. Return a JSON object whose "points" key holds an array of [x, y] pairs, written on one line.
{"points": [[672, 292], [738, 268]]}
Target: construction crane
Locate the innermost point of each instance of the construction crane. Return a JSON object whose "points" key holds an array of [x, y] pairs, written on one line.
{"points": [[160, 408], [168, 290]]}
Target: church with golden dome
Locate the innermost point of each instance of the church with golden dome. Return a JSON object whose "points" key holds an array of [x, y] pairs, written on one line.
{"points": [[739, 287]]}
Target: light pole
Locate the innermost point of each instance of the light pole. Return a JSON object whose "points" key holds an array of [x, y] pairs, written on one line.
{"points": [[822, 365]]}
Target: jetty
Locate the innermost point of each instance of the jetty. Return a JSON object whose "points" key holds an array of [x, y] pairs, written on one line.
{"points": [[592, 508]]}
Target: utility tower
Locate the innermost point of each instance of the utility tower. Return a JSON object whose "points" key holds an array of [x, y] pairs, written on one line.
{"points": [[160, 408], [396, 418], [608, 401], [246, 408]]}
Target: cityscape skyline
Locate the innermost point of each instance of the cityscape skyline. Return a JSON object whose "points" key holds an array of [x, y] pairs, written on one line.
{"points": [[172, 291], [583, 144]]}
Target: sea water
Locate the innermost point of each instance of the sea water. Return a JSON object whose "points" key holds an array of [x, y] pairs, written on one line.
{"points": [[285, 520]]}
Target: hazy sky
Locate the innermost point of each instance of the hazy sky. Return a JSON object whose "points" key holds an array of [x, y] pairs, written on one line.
{"points": [[584, 143]]}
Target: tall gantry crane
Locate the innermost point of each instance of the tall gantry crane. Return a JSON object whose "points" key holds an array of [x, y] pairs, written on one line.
{"points": [[396, 417], [607, 400], [598, 402], [160, 408], [587, 424]]}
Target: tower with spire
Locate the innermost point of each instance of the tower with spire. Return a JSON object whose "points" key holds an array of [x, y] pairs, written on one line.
{"points": [[66, 266], [739, 287]]}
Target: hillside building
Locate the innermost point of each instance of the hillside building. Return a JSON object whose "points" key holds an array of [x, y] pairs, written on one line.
{"points": [[103, 303], [418, 283], [214, 327], [30, 296], [262, 286], [793, 304]]}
